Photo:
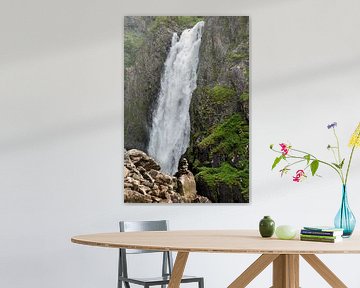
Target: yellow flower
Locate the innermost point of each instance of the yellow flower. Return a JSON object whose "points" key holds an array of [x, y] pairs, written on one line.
{"points": [[355, 137]]}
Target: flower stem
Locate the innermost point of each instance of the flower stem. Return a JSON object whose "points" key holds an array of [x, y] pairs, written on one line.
{"points": [[339, 156], [323, 162], [348, 167], [304, 152], [338, 146], [296, 162], [312, 158]]}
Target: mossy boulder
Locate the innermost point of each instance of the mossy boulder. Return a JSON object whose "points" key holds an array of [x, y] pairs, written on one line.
{"points": [[222, 161], [224, 184]]}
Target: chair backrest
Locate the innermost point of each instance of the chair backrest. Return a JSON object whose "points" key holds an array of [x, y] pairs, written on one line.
{"points": [[134, 226]]}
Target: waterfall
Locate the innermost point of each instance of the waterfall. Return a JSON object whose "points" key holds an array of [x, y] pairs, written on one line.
{"points": [[170, 131]]}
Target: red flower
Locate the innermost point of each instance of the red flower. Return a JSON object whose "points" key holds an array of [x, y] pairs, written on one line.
{"points": [[300, 174], [284, 148]]}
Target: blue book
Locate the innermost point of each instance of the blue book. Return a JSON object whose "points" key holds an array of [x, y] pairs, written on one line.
{"points": [[322, 231]]}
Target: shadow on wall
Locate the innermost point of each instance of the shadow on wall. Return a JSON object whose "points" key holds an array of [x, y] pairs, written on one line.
{"points": [[308, 75], [113, 121], [55, 134]]}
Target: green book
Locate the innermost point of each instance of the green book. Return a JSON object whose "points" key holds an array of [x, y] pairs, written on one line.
{"points": [[319, 236], [325, 240]]}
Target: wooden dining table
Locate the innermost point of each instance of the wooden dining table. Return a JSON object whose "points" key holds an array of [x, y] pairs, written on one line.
{"points": [[283, 254]]}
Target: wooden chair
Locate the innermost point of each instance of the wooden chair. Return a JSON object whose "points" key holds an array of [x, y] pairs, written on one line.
{"points": [[167, 263]]}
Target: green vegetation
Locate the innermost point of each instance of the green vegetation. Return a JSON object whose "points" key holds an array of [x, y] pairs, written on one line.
{"points": [[228, 142], [188, 21], [182, 21], [244, 97], [132, 44], [220, 94], [231, 137], [225, 174], [235, 57]]}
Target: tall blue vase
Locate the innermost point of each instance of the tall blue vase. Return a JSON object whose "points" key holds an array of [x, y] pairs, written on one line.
{"points": [[345, 219]]}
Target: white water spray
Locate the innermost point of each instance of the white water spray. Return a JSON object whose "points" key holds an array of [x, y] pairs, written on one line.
{"points": [[170, 131]]}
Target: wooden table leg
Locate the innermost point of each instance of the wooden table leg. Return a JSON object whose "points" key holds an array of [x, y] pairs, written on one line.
{"points": [[178, 269], [324, 271], [253, 270], [286, 271]]}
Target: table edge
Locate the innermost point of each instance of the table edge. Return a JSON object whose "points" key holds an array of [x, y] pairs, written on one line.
{"points": [[203, 250]]}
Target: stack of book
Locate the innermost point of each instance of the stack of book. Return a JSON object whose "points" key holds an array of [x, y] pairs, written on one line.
{"points": [[321, 234]]}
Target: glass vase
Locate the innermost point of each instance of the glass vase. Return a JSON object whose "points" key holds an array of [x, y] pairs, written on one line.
{"points": [[345, 219]]}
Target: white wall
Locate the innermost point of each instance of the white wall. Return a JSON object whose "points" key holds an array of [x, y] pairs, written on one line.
{"points": [[61, 123]]}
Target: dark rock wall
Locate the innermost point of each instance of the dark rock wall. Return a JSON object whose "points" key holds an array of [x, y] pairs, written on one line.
{"points": [[147, 42], [219, 144], [142, 81]]}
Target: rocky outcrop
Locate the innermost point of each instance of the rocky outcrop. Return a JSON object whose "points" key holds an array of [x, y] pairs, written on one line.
{"points": [[144, 183], [186, 185]]}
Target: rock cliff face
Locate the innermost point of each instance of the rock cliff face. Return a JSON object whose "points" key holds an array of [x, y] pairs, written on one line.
{"points": [[219, 145], [147, 42], [142, 76], [144, 183]]}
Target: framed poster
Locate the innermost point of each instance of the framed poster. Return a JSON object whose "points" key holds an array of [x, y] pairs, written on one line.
{"points": [[186, 109]]}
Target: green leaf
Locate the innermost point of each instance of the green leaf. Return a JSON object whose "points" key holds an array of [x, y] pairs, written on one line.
{"points": [[314, 166], [339, 166], [342, 163], [336, 165], [271, 146], [276, 161], [307, 157]]}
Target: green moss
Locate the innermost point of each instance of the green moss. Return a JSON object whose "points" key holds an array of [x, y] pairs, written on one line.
{"points": [[196, 164], [225, 174], [235, 57], [220, 94], [132, 44], [228, 141], [230, 137], [244, 97]]}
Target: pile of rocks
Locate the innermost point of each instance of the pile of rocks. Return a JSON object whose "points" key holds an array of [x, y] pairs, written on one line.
{"points": [[144, 183]]}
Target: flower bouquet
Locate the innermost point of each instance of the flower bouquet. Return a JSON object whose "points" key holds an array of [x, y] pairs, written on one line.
{"points": [[292, 157]]}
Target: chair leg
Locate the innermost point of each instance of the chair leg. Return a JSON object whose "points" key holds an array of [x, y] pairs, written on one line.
{"points": [[201, 283]]}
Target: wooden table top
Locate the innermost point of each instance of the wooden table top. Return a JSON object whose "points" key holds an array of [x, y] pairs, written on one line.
{"points": [[217, 241]]}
